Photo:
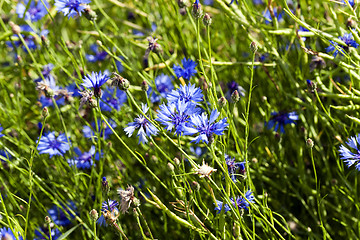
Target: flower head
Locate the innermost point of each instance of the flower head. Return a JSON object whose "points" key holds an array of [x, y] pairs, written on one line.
{"points": [[176, 115], [187, 71], [238, 202], [127, 197], [71, 8], [95, 80], [61, 215], [205, 170], [281, 119], [105, 131], [35, 11], [205, 127], [220, 205], [146, 129], [233, 166], [53, 145], [7, 234], [110, 206], [187, 93], [84, 160], [163, 85], [232, 86], [350, 158], [336, 48], [29, 39], [5, 154], [111, 100], [98, 56], [351, 2]]}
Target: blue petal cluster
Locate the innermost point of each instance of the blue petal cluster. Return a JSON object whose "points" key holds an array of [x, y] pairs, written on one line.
{"points": [[348, 156], [233, 167], [28, 38], [112, 100], [187, 93], [187, 71], [84, 160], [95, 80], [109, 205], [349, 41], [146, 129], [52, 145], [71, 8], [105, 131], [98, 55], [279, 120], [1, 128], [268, 18], [163, 85], [238, 202], [35, 11], [7, 234], [61, 215]]}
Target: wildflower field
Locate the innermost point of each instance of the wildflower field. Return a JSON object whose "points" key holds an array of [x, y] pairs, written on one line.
{"points": [[172, 119]]}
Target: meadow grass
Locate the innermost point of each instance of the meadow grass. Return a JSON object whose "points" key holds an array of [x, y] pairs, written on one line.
{"points": [[283, 76]]}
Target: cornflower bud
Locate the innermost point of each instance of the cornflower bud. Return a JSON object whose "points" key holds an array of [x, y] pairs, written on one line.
{"points": [[309, 143], [105, 185], [15, 28], [144, 86], [222, 102], [207, 20], [45, 112], [90, 14], [197, 11], [94, 215], [253, 47], [235, 96], [182, 3], [120, 82], [47, 219]]}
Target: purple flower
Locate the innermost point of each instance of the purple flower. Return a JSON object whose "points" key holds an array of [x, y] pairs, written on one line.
{"points": [[84, 160], [239, 202], [71, 8], [35, 11], [99, 56], [281, 119], [348, 155], [49, 144], [61, 215], [187, 71], [163, 85], [110, 100], [7, 234], [349, 41], [95, 80], [187, 93], [109, 205], [206, 128], [146, 129]]}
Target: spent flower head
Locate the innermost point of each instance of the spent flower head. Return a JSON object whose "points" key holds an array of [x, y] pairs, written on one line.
{"points": [[127, 197], [204, 170]]}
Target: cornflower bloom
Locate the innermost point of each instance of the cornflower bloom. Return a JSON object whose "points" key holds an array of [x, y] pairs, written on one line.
{"points": [[163, 85], [146, 129], [110, 101], [95, 80], [61, 215], [281, 119], [302, 29], [239, 202], [233, 166], [268, 17], [351, 2], [7, 234], [71, 8], [348, 156], [48, 102], [46, 72], [187, 71], [53, 145], [205, 127], [75, 90], [35, 11], [28, 38], [175, 115], [5, 154], [109, 205], [84, 160], [187, 93], [105, 131], [99, 56], [349, 41], [1, 128]]}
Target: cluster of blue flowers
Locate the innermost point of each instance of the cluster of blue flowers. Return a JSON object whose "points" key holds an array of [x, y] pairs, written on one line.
{"points": [[238, 202], [335, 48]]}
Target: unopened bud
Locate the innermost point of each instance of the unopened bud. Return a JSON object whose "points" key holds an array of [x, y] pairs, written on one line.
{"points": [[105, 185], [182, 11], [120, 82], [15, 28], [351, 23], [197, 11], [45, 112], [47, 219], [45, 41], [253, 47], [99, 43], [176, 161], [309, 143], [171, 167], [136, 202], [92, 103], [195, 185], [222, 102], [207, 20], [94, 215], [144, 86], [235, 96], [182, 3], [90, 14]]}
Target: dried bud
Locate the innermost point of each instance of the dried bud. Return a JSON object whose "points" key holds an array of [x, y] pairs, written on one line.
{"points": [[204, 170], [47, 219], [351, 23], [45, 41], [253, 47], [235, 96], [207, 20], [309, 143], [92, 103], [90, 14], [120, 82], [171, 167], [177, 161], [195, 185], [105, 185], [222, 102], [45, 112], [144, 86], [15, 28], [127, 196], [197, 11], [317, 62], [154, 46], [94, 215]]}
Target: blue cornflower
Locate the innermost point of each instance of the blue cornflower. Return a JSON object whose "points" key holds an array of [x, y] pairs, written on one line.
{"points": [[95, 80], [7, 234], [61, 215], [349, 41], [188, 69], [110, 101], [75, 90], [53, 145], [109, 205], [1, 128], [43, 233], [258, 2], [239, 202], [46, 72], [233, 166], [281, 119], [145, 127], [47, 102], [35, 11], [5, 154], [105, 131], [236, 1], [99, 56], [351, 2], [268, 18], [204, 127], [350, 157], [163, 85], [84, 160], [187, 93], [302, 29], [28, 38], [71, 8], [232, 86], [176, 115]]}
